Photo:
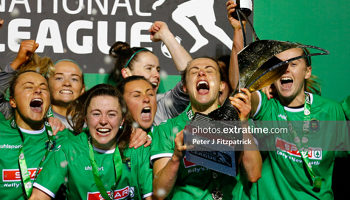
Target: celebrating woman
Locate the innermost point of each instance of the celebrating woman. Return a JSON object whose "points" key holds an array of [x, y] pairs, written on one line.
{"points": [[26, 140], [140, 99], [306, 171], [99, 154], [142, 62], [176, 178]]}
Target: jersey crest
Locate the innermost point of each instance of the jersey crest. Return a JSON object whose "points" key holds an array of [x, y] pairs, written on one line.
{"points": [[127, 163]]}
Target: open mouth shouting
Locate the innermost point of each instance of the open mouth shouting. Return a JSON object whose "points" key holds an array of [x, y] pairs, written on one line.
{"points": [[286, 82], [146, 114], [203, 87], [36, 105], [103, 131], [66, 91]]}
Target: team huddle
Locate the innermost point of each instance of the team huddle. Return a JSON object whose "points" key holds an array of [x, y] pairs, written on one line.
{"points": [[122, 140]]}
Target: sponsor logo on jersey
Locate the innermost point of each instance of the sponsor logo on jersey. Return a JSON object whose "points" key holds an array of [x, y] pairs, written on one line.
{"points": [[9, 146], [188, 163], [314, 125], [291, 149], [282, 116], [118, 194], [10, 175], [127, 163]]}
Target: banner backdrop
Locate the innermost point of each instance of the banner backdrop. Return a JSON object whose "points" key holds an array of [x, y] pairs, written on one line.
{"points": [[84, 30]]}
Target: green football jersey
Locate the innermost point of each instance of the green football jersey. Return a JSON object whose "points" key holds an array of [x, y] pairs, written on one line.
{"points": [[34, 150], [193, 181], [284, 175], [2, 117], [346, 107], [71, 165]]}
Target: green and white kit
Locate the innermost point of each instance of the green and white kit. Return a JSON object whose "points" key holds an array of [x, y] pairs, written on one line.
{"points": [[35, 145], [71, 165], [284, 173], [193, 181]]}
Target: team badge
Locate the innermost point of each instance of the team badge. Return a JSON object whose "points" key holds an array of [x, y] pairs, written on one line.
{"points": [[127, 163], [51, 145], [314, 125]]}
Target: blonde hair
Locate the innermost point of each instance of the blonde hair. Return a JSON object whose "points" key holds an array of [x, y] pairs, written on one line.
{"points": [[37, 64], [313, 85]]}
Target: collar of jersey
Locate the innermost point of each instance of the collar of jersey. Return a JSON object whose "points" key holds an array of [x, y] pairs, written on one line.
{"points": [[103, 151], [33, 132], [299, 109]]}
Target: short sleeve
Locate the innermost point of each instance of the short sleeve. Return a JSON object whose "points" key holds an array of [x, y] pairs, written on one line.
{"points": [[262, 107], [145, 173], [346, 107], [53, 173], [163, 142]]}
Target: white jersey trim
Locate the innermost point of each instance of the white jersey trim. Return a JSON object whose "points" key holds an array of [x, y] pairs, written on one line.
{"points": [[161, 155], [299, 109], [147, 195], [104, 151], [259, 105], [42, 188], [34, 132]]}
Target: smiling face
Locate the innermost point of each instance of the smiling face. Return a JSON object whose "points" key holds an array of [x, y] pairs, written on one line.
{"points": [[203, 81], [291, 84], [103, 118], [66, 83], [141, 101], [31, 100], [147, 65]]}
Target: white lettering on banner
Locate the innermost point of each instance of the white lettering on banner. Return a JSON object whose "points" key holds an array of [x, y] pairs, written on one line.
{"points": [[79, 7], [24, 2], [2, 6], [72, 31], [39, 6], [126, 4], [103, 8], [14, 34], [135, 33], [73, 12], [49, 26]]}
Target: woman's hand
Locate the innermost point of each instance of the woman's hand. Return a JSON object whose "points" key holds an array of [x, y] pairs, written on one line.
{"points": [[158, 31], [138, 138], [56, 125], [231, 8], [179, 145], [243, 103], [269, 91]]}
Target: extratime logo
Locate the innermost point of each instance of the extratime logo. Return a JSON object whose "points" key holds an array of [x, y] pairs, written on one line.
{"points": [[291, 149]]}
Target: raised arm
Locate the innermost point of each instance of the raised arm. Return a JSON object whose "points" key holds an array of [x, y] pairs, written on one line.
{"points": [[160, 32], [237, 43], [26, 49]]}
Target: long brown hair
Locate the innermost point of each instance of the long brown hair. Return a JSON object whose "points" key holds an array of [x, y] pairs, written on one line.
{"points": [[77, 111]]}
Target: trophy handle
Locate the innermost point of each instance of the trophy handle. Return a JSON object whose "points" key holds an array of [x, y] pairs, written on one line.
{"points": [[239, 12]]}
